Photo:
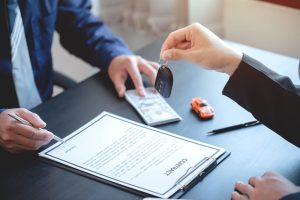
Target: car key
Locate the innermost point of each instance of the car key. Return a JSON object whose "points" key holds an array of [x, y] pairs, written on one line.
{"points": [[164, 80]]}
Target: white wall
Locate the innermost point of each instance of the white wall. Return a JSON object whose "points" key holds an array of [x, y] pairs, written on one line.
{"points": [[207, 12], [263, 25]]}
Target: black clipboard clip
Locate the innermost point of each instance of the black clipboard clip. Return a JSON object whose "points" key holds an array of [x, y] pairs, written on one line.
{"points": [[209, 161], [185, 185]]}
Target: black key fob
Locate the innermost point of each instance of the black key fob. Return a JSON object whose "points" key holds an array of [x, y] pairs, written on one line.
{"points": [[164, 81]]}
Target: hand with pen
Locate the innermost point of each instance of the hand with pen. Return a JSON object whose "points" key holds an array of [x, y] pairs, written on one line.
{"points": [[16, 137]]}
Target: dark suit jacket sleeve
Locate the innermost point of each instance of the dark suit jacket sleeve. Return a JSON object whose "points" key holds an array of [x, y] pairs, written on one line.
{"points": [[271, 98], [294, 196], [86, 36]]}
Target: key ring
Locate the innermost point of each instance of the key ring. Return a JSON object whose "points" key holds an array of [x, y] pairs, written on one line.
{"points": [[162, 62]]}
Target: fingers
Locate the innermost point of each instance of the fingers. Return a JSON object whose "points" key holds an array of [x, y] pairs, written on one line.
{"points": [[15, 137], [118, 74], [134, 73], [237, 196], [31, 117], [32, 133], [119, 70], [270, 174], [155, 65], [175, 54], [178, 44], [119, 84], [182, 39], [252, 181], [243, 188], [184, 45], [174, 39], [149, 69], [17, 143], [28, 137], [122, 66]]}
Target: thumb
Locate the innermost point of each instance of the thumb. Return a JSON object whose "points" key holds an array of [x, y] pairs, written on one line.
{"points": [[174, 54]]}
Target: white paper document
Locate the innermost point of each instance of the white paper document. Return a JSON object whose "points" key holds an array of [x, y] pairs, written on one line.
{"points": [[134, 155]]}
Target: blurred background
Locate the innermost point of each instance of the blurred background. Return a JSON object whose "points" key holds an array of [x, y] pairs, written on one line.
{"points": [[272, 25]]}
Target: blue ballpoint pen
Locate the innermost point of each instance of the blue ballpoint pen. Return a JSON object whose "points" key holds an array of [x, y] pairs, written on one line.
{"points": [[25, 122]]}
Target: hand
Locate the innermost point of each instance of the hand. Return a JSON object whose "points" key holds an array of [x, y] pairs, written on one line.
{"points": [[197, 44], [268, 187], [16, 137], [122, 66]]}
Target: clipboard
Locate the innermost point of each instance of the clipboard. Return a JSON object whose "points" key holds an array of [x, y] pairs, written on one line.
{"points": [[184, 181], [201, 176]]}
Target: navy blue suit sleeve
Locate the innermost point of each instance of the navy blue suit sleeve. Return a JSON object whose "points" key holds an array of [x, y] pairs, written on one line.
{"points": [[271, 98], [294, 196], [85, 36], [1, 110]]}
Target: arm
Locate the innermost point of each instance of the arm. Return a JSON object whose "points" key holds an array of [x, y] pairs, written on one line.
{"points": [[90, 39], [273, 99], [269, 96], [85, 36], [293, 196]]}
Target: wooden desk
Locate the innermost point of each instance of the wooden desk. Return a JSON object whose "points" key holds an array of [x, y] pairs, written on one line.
{"points": [[253, 150]]}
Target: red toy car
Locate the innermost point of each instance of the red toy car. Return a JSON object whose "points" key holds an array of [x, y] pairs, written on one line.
{"points": [[202, 108]]}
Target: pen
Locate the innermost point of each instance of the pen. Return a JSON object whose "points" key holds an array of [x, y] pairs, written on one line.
{"points": [[231, 128], [23, 121]]}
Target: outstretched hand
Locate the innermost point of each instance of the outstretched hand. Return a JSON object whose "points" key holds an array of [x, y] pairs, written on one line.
{"points": [[269, 186], [123, 66], [197, 44]]}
